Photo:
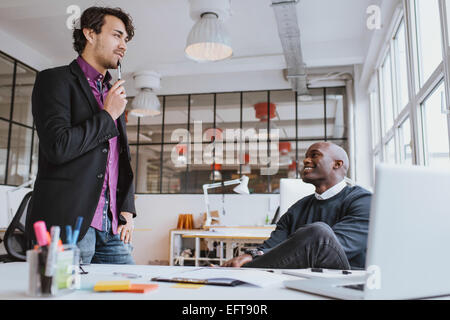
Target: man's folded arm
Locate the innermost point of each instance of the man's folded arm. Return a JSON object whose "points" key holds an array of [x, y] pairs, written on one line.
{"points": [[60, 141]]}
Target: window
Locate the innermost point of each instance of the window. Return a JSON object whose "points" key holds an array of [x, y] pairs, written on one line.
{"points": [[405, 142], [375, 116], [428, 34], [228, 116], [435, 129], [19, 155], [386, 85], [424, 111], [176, 116], [22, 95], [6, 85], [447, 6], [4, 127], [334, 106], [162, 163], [310, 114], [390, 151], [401, 67], [18, 139], [6, 81]]}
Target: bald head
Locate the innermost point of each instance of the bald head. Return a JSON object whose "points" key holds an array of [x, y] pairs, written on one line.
{"points": [[325, 164], [337, 154]]}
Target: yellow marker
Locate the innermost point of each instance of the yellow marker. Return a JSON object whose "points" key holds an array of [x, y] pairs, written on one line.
{"points": [[187, 285], [112, 285]]}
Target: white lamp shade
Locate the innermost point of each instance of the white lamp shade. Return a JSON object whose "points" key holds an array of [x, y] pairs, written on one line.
{"points": [[208, 40], [145, 103], [242, 188]]}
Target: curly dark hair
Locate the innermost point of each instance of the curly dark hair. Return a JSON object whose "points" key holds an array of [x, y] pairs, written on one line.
{"points": [[93, 18]]}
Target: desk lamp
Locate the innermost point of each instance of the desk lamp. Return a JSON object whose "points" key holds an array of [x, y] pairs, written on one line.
{"points": [[242, 188]]}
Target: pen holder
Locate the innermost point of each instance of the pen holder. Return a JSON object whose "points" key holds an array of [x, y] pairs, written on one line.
{"points": [[65, 277], [67, 269]]}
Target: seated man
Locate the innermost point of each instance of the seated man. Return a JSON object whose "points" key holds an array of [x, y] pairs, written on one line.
{"points": [[327, 229]]}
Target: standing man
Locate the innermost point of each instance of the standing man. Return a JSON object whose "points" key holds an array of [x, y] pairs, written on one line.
{"points": [[84, 158], [327, 229]]}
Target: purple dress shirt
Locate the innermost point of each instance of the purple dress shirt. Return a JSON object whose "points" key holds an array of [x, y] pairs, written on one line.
{"points": [[96, 80]]}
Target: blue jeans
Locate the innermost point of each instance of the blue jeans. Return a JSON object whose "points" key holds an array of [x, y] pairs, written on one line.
{"points": [[104, 247]]}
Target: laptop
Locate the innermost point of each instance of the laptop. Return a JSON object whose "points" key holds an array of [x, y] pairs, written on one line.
{"points": [[408, 251]]}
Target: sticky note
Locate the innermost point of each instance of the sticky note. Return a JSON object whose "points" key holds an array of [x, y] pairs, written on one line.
{"points": [[112, 285], [140, 288]]}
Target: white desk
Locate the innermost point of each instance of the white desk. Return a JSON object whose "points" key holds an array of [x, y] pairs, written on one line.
{"points": [[14, 284]]}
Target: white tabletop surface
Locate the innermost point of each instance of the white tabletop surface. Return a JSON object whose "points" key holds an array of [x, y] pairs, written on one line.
{"points": [[14, 284]]}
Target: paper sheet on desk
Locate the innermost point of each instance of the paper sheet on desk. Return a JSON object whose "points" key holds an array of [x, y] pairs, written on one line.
{"points": [[255, 277]]}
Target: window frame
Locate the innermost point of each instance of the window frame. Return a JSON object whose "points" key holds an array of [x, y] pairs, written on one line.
{"points": [[10, 121], [296, 140], [417, 93]]}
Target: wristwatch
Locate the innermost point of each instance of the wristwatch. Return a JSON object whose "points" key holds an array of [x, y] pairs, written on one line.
{"points": [[254, 252]]}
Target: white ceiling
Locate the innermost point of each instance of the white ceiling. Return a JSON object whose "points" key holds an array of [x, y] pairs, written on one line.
{"points": [[333, 33]]}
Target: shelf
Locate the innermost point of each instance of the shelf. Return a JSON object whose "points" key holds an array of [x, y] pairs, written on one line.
{"points": [[229, 240]]}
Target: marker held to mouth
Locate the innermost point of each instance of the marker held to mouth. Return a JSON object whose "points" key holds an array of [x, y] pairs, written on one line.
{"points": [[119, 75]]}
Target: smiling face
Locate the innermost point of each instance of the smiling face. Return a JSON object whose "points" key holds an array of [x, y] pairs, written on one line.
{"points": [[325, 164], [110, 45], [317, 164]]}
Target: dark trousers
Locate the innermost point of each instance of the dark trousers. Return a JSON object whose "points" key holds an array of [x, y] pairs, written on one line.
{"points": [[312, 246]]}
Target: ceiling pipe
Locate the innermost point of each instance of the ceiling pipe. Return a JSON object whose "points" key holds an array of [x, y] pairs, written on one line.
{"points": [[289, 33]]}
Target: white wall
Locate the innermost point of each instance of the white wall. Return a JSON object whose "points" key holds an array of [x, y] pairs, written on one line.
{"points": [[157, 214], [362, 136]]}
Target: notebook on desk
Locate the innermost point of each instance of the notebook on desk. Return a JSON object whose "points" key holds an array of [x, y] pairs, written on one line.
{"points": [[223, 277], [212, 281]]}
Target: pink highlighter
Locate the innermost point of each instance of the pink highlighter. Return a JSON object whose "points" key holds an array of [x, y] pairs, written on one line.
{"points": [[40, 231]]}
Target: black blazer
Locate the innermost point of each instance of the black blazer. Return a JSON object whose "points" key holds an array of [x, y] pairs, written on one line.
{"points": [[73, 149]]}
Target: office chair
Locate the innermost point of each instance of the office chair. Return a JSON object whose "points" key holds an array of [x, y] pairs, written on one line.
{"points": [[15, 239], [276, 217]]}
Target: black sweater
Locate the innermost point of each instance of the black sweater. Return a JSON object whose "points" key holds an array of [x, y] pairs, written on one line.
{"points": [[347, 213]]}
